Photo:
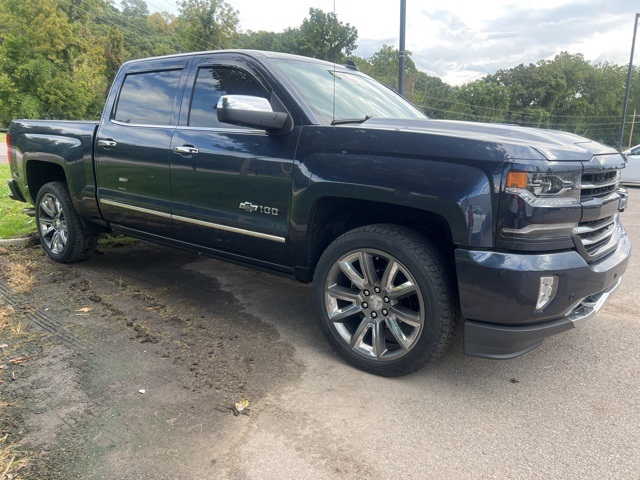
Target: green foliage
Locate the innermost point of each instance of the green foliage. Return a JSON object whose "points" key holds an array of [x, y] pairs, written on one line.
{"points": [[48, 69], [566, 93], [207, 24], [58, 58], [262, 40], [13, 222], [321, 36]]}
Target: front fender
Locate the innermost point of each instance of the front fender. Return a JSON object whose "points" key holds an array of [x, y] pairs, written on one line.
{"points": [[458, 192]]}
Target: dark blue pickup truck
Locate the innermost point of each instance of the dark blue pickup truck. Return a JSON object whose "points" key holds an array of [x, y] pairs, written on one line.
{"points": [[406, 226]]}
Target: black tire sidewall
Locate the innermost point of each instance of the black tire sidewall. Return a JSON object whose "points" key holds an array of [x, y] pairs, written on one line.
{"points": [[436, 292], [75, 232]]}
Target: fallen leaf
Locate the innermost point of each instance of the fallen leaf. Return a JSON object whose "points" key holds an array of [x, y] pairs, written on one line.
{"points": [[241, 407], [84, 309], [513, 380], [23, 359], [4, 345]]}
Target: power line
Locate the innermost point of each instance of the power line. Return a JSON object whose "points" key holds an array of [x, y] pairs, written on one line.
{"points": [[492, 109], [555, 125], [132, 26]]}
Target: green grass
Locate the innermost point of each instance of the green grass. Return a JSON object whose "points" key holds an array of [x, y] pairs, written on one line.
{"points": [[116, 239], [13, 223]]}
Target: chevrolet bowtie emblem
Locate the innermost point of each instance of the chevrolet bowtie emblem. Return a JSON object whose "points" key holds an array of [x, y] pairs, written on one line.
{"points": [[248, 207]]}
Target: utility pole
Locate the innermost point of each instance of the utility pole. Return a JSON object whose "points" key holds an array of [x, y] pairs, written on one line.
{"points": [[403, 22], [626, 95]]}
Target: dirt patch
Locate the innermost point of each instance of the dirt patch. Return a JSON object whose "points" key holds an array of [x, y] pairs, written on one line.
{"points": [[134, 364]]}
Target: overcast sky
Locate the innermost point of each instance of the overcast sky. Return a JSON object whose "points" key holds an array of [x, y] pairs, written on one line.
{"points": [[461, 40]]}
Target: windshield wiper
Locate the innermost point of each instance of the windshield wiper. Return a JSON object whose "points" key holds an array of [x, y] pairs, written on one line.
{"points": [[345, 121]]}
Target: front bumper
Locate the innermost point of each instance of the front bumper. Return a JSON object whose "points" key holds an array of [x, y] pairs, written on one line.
{"points": [[498, 294]]}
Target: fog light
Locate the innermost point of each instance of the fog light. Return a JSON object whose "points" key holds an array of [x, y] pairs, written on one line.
{"points": [[548, 288]]}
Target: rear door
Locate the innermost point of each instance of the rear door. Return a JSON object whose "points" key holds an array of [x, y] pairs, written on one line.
{"points": [[232, 189], [132, 146]]}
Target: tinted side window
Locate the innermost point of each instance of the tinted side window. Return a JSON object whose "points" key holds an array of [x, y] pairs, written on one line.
{"points": [[211, 84], [147, 98]]}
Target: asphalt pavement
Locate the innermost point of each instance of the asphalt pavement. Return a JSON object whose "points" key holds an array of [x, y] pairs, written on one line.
{"points": [[569, 409]]}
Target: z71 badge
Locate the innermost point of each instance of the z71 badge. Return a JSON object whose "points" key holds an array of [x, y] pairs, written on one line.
{"points": [[250, 207]]}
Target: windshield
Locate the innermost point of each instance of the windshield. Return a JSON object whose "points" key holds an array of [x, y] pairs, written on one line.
{"points": [[357, 97]]}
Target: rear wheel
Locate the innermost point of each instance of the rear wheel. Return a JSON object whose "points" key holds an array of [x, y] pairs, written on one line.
{"points": [[61, 232], [385, 300]]}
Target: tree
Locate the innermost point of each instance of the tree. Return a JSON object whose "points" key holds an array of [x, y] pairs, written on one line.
{"points": [[321, 36], [206, 24], [49, 67], [262, 40], [482, 101], [114, 53], [134, 9]]}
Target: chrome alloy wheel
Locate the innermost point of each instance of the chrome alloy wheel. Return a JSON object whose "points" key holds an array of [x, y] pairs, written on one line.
{"points": [[52, 223], [374, 304]]}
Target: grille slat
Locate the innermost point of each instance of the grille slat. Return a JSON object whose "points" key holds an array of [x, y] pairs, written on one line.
{"points": [[599, 185], [596, 235]]}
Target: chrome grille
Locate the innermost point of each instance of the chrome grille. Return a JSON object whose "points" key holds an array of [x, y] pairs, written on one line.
{"points": [[599, 187], [598, 184], [595, 234]]}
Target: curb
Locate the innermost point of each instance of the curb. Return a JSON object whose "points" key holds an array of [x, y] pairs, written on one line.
{"points": [[13, 241]]}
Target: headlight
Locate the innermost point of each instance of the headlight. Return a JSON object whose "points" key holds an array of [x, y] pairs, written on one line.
{"points": [[545, 189]]}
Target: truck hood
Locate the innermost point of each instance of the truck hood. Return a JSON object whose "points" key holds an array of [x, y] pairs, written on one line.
{"points": [[522, 143]]}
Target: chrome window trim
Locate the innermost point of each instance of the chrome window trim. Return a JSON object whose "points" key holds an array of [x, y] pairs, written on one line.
{"points": [[221, 130], [195, 221], [186, 127], [124, 124]]}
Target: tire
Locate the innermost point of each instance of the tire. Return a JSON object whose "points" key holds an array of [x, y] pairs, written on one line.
{"points": [[60, 230], [385, 299]]}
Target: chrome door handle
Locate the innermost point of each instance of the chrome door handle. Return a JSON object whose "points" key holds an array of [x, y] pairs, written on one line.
{"points": [[186, 150], [107, 143]]}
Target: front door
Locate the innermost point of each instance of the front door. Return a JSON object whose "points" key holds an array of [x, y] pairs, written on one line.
{"points": [[231, 185]]}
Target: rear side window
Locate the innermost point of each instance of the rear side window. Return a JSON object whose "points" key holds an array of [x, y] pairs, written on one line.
{"points": [[211, 84], [147, 98]]}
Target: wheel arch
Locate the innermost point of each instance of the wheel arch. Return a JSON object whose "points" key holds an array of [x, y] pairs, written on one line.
{"points": [[333, 216], [39, 173]]}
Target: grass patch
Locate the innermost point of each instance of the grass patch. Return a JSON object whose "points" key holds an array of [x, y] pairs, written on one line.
{"points": [[10, 460], [20, 278], [116, 239], [6, 312], [13, 222]]}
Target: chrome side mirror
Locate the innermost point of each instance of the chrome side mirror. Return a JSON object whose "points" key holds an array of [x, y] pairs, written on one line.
{"points": [[249, 111]]}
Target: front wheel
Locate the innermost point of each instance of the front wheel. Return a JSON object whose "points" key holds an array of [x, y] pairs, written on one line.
{"points": [[385, 300], [61, 232]]}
